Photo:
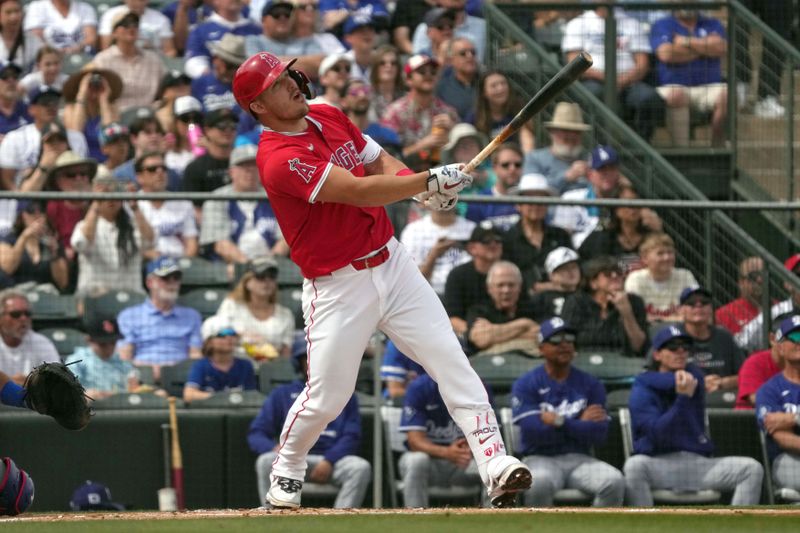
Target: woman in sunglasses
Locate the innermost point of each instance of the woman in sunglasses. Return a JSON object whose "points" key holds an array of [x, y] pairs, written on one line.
{"points": [[497, 104], [266, 327], [31, 254], [219, 370]]}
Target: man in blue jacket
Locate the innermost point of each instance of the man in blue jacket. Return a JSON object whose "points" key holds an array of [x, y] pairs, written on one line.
{"points": [[671, 447], [561, 414], [333, 459]]}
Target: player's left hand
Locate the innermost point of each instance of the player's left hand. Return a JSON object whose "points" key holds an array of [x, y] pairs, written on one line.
{"points": [[321, 473]]}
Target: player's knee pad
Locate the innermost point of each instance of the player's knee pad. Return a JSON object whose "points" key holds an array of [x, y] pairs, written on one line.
{"points": [[16, 488]]}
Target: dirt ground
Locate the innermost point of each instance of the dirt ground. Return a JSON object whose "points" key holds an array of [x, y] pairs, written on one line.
{"points": [[224, 513]]}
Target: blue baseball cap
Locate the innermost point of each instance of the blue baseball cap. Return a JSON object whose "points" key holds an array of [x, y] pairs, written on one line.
{"points": [[359, 20], [554, 325], [163, 266], [93, 496], [42, 92], [666, 334], [787, 326], [689, 291], [602, 156], [269, 5]]}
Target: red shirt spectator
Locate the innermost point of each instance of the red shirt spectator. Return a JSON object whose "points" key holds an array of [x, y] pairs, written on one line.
{"points": [[755, 371], [734, 315]]}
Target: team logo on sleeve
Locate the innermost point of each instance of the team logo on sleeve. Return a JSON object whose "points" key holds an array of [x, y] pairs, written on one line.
{"points": [[306, 171]]}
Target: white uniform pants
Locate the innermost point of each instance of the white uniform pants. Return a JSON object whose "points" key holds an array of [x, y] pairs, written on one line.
{"points": [[341, 313]]}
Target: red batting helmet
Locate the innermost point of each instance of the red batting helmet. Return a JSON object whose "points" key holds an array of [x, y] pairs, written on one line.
{"points": [[255, 76]]}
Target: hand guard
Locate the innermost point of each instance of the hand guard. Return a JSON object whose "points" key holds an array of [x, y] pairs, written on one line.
{"points": [[52, 389], [437, 201], [448, 180]]}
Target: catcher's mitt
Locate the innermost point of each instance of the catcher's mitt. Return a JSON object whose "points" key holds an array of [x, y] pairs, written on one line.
{"points": [[52, 389]]}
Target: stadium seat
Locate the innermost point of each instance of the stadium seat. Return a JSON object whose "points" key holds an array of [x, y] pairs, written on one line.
{"points": [[775, 493], [131, 400], [501, 370], [174, 377], [666, 496], [109, 304], [721, 399], [146, 376], [289, 297], [275, 372], [288, 272], [610, 367], [74, 62], [51, 310], [199, 272], [230, 399], [65, 339], [205, 301], [394, 446], [617, 398]]}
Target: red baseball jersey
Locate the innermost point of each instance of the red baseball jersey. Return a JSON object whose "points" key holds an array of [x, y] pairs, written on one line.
{"points": [[323, 237]]}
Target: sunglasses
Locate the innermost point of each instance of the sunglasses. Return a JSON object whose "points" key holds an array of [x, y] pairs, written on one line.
{"points": [[694, 302], [359, 91], [226, 125], [72, 174], [307, 7], [491, 240], [152, 169], [268, 274], [20, 313], [191, 117], [9, 75], [227, 332], [466, 52], [341, 68], [175, 276], [280, 13], [611, 273], [558, 338], [444, 26], [755, 276], [507, 164], [676, 346], [426, 71]]}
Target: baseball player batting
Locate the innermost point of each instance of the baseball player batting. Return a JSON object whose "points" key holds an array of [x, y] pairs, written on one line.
{"points": [[328, 184]]}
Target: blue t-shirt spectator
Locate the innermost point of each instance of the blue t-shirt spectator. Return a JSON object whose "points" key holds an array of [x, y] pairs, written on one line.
{"points": [[206, 377], [160, 338], [701, 71]]}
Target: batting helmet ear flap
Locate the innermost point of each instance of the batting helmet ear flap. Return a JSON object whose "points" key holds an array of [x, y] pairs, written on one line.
{"points": [[303, 82]]}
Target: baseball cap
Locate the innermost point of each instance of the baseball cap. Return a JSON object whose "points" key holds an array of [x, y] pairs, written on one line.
{"points": [[330, 61], [533, 182], [43, 92], [186, 104], [163, 266], [559, 257], [173, 78], [8, 65], [689, 291], [786, 326], [485, 234], [242, 154], [416, 61], [269, 5], [217, 326], [103, 330], [433, 16], [263, 264], [666, 334], [93, 496], [112, 132], [217, 116], [461, 131], [136, 114], [602, 156], [359, 20], [554, 325], [124, 15], [792, 262], [600, 264]]}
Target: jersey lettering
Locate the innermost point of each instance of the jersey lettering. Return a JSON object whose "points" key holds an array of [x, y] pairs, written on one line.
{"points": [[305, 171], [346, 156]]}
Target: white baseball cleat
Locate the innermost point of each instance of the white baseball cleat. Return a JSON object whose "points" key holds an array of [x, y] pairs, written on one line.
{"points": [[284, 493], [507, 476]]}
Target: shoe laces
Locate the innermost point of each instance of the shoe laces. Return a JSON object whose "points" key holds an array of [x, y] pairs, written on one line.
{"points": [[289, 485]]}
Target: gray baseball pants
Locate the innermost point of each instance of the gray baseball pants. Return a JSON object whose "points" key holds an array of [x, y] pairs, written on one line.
{"points": [[351, 474], [786, 471], [418, 470], [687, 471], [573, 471]]}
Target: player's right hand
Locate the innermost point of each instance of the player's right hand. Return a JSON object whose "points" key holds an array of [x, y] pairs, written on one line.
{"points": [[448, 179]]}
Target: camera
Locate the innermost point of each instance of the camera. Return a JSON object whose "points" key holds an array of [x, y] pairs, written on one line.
{"points": [[96, 81]]}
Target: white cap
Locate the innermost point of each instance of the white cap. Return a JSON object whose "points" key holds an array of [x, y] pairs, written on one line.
{"points": [[330, 60], [558, 258], [213, 325], [534, 183], [186, 104]]}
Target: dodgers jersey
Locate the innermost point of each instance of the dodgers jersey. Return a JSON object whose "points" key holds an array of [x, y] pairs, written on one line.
{"points": [[778, 395], [323, 237], [536, 392], [424, 410]]}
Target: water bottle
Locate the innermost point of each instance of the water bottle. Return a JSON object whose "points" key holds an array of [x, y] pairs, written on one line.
{"points": [[193, 134]]}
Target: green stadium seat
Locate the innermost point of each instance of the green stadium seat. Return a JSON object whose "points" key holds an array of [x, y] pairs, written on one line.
{"points": [[610, 367], [146, 375], [74, 62], [51, 310], [275, 372], [230, 399], [721, 399], [198, 272], [109, 304], [174, 377], [65, 339], [290, 297], [617, 398], [288, 272], [499, 371], [205, 301], [131, 400]]}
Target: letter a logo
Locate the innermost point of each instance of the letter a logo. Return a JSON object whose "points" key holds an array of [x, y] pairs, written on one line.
{"points": [[306, 171]]}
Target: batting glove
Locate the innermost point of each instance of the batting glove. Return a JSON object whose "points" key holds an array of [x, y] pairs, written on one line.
{"points": [[437, 201], [448, 179]]}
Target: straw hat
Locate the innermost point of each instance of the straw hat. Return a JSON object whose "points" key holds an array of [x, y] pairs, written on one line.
{"points": [[568, 116], [73, 83], [71, 159]]}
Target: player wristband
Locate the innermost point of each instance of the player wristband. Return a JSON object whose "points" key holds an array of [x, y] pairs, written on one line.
{"points": [[405, 172], [13, 395]]}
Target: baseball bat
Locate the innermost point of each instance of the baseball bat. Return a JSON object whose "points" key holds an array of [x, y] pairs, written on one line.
{"points": [[563, 78], [177, 456]]}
